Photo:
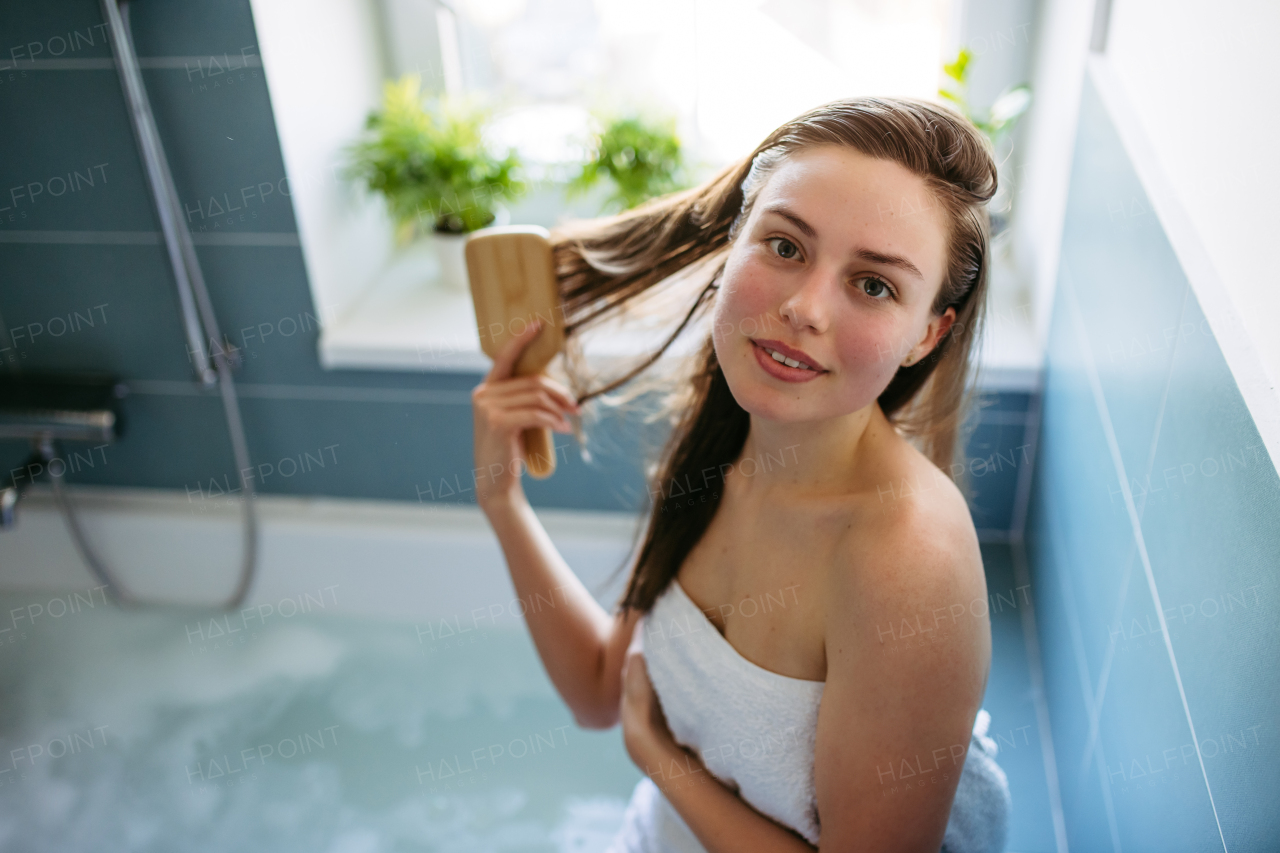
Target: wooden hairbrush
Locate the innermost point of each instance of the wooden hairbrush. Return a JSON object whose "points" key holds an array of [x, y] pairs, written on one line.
{"points": [[513, 284]]}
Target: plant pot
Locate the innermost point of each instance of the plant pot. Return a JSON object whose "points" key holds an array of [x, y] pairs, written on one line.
{"points": [[452, 259]]}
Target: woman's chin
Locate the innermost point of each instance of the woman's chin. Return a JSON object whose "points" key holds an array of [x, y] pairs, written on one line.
{"points": [[772, 404], [789, 404]]}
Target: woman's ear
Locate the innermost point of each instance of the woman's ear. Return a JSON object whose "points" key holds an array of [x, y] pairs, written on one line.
{"points": [[938, 326]]}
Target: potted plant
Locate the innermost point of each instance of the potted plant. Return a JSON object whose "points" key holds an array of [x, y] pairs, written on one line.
{"points": [[997, 122], [430, 161], [641, 157]]}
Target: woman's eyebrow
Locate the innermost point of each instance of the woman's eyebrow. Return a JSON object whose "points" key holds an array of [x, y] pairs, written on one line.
{"points": [[865, 254], [890, 260], [805, 227]]}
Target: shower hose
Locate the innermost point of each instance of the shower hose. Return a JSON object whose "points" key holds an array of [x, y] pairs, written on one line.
{"points": [[212, 365]]}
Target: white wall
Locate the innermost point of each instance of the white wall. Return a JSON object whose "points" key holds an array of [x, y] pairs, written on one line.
{"points": [[324, 66], [1199, 77], [1196, 77]]}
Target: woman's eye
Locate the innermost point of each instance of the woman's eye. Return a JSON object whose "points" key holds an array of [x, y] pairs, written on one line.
{"points": [[875, 288], [784, 247]]}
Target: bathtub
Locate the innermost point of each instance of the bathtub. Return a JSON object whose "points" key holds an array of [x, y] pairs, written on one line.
{"points": [[378, 690]]}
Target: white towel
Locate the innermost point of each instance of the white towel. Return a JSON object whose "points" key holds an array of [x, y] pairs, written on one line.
{"points": [[755, 731], [979, 820]]}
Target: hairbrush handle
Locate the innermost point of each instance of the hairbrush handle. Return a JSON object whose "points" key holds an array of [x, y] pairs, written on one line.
{"points": [[539, 452]]}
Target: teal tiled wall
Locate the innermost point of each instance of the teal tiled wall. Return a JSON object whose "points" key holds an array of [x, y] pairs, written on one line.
{"points": [[1153, 496]]}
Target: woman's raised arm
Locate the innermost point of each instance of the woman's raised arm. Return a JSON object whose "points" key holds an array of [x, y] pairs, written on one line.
{"points": [[581, 646]]}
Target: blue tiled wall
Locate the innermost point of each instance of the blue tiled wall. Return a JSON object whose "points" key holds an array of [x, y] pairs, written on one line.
{"points": [[1153, 495], [383, 435], [388, 435]]}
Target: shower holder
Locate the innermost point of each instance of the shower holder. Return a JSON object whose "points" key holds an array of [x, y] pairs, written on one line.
{"points": [[46, 407]]}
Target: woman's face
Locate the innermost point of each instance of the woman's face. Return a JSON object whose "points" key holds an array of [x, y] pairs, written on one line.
{"points": [[837, 265]]}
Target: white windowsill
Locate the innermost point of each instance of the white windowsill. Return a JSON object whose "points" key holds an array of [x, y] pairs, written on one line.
{"points": [[408, 322]]}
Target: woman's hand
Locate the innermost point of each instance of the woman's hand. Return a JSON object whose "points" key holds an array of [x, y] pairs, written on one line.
{"points": [[503, 406], [644, 726]]}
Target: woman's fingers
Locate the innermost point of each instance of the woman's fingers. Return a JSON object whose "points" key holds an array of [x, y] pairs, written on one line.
{"points": [[509, 397], [497, 413], [555, 388], [505, 405], [490, 401], [535, 382], [529, 418], [539, 381]]}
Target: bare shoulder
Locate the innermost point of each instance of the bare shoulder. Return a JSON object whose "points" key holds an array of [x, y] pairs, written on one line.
{"points": [[909, 565], [916, 526]]}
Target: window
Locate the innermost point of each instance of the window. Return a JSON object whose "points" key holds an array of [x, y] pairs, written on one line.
{"points": [[728, 71]]}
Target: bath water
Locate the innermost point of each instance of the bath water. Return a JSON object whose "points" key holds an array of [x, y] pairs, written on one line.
{"points": [[173, 729]]}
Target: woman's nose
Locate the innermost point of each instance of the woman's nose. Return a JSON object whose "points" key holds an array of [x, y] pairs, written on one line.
{"points": [[809, 305]]}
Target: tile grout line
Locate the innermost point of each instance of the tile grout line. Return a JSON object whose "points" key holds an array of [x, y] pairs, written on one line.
{"points": [[108, 63], [1030, 636], [149, 238], [1104, 676], [329, 393], [1047, 752], [1030, 438], [1100, 401], [1092, 701], [1017, 548], [1082, 666]]}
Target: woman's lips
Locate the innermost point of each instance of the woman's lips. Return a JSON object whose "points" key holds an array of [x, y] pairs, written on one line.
{"points": [[781, 371]]}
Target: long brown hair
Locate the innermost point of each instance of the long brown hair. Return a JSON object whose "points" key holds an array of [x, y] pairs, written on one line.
{"points": [[604, 264]]}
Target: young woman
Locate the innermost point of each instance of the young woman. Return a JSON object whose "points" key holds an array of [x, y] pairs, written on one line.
{"points": [[796, 663]]}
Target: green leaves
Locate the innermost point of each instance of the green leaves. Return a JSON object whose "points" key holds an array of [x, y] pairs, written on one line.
{"points": [[1002, 115], [641, 158], [959, 68], [431, 162]]}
